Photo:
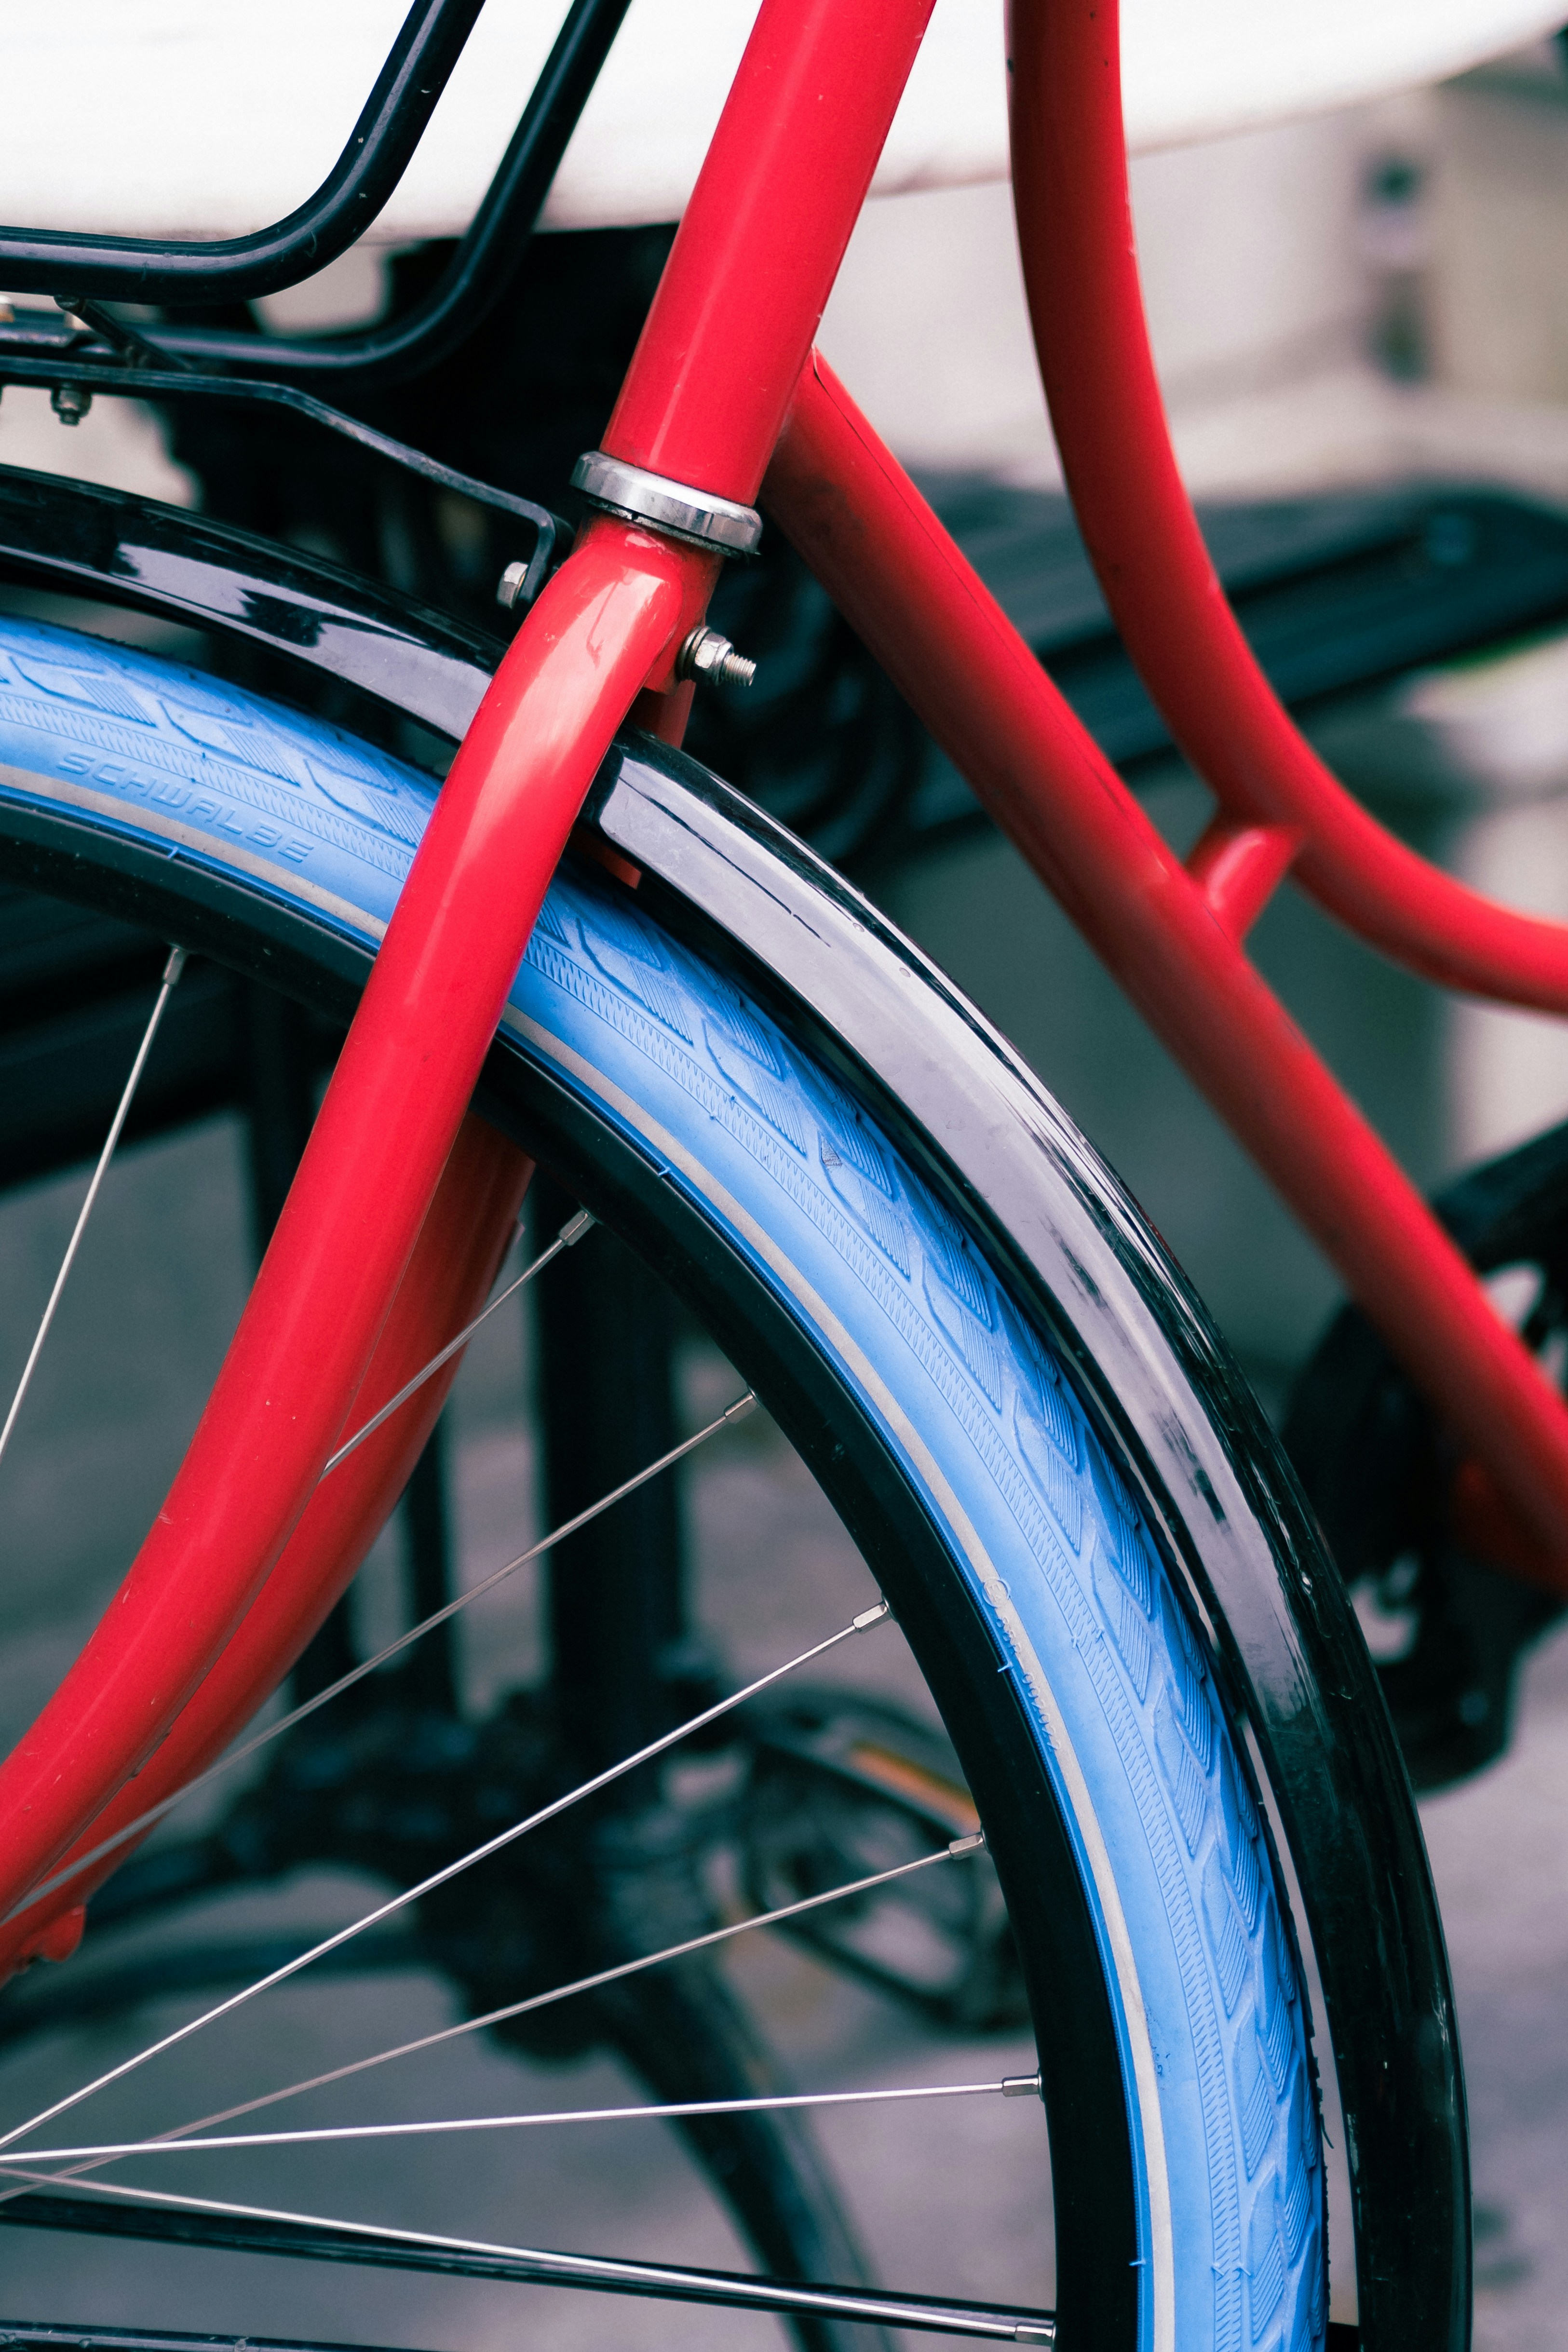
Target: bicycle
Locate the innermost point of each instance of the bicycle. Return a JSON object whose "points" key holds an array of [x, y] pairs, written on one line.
{"points": [[1150, 1674]]}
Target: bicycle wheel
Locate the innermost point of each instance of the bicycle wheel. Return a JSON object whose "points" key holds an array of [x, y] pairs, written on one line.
{"points": [[1060, 1588]]}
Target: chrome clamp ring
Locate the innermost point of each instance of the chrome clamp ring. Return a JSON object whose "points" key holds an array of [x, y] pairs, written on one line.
{"points": [[696, 516]]}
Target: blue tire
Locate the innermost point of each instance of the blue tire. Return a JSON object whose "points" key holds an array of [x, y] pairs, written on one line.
{"points": [[1075, 1672]]}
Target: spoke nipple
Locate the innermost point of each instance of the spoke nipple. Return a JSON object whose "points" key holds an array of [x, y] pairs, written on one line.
{"points": [[1035, 2331], [509, 586], [175, 966], [970, 1844], [869, 1617], [575, 1227], [706, 654], [742, 1406], [1020, 2086]]}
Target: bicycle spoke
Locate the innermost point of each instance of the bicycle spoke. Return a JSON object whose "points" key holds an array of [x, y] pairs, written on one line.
{"points": [[172, 971], [731, 1413], [169, 2218], [24, 2336], [509, 1836], [570, 1233], [955, 1849], [1005, 2086]]}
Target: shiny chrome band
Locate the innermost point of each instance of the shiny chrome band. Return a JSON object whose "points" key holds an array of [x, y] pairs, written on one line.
{"points": [[674, 507]]}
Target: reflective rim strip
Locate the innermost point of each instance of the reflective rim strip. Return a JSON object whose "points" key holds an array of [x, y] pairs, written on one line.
{"points": [[123, 814]]}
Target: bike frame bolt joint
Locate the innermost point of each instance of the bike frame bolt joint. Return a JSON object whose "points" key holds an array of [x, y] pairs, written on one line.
{"points": [[705, 654], [70, 402], [698, 518]]}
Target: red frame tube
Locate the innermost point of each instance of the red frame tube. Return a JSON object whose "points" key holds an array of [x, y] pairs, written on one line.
{"points": [[1080, 272], [454, 1262], [375, 1155], [751, 270], [757, 254], [1172, 942]]}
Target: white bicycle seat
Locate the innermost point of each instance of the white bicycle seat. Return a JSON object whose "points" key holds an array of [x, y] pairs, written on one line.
{"points": [[180, 118]]}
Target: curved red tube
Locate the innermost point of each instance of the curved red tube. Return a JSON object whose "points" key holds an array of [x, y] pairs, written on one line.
{"points": [[713, 372], [1081, 271], [460, 1246], [610, 616]]}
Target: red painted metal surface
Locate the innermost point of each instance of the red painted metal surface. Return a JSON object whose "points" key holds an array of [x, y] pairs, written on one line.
{"points": [[747, 280], [451, 1269], [894, 572], [762, 239], [1075, 229], [1238, 867], [615, 610]]}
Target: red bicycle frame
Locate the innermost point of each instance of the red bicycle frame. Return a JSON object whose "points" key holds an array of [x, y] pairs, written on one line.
{"points": [[722, 390]]}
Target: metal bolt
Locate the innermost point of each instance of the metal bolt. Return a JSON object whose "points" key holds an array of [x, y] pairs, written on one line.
{"points": [[706, 654], [509, 588], [70, 402]]}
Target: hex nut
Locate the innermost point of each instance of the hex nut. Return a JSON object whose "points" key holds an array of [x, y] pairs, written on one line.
{"points": [[509, 588], [706, 654]]}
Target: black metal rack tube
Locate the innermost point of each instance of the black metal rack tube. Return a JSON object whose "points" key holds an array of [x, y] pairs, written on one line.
{"points": [[480, 270], [472, 283], [227, 269]]}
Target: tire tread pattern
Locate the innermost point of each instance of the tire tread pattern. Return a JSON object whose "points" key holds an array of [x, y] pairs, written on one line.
{"points": [[154, 734]]}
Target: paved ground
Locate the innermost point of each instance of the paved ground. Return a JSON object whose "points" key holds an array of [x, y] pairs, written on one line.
{"points": [[1500, 1849]]}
